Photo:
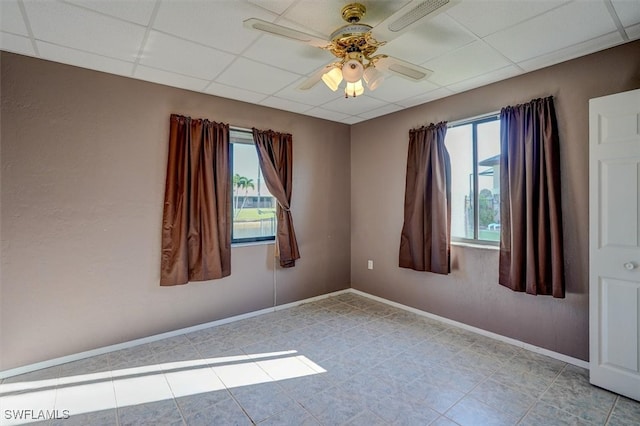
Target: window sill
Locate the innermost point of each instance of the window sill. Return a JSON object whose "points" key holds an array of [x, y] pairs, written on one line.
{"points": [[253, 243], [475, 245]]}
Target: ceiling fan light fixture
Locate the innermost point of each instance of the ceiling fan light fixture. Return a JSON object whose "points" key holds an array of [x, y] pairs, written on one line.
{"points": [[354, 89], [332, 78], [373, 78], [352, 70]]}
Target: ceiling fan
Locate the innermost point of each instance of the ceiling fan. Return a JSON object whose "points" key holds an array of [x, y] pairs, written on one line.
{"points": [[355, 45]]}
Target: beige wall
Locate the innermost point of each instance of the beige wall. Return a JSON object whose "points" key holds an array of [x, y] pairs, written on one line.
{"points": [[83, 168], [471, 293]]}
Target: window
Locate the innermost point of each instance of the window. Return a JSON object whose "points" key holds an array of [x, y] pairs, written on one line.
{"points": [[253, 208], [474, 148]]}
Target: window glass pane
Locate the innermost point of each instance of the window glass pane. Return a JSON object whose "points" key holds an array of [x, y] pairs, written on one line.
{"points": [[253, 206], [488, 135], [459, 143]]}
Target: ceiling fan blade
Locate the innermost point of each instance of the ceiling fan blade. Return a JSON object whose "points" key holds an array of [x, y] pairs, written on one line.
{"points": [[409, 16], [403, 69], [314, 79], [286, 32]]}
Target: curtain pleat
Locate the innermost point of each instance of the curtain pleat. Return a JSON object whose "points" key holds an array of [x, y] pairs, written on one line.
{"points": [[196, 236], [275, 156], [531, 252], [425, 238]]}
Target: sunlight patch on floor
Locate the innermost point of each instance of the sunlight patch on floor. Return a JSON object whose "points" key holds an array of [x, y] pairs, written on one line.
{"points": [[24, 402]]}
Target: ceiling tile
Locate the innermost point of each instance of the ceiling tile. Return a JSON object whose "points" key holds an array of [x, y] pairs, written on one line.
{"points": [[234, 93], [353, 119], [82, 59], [11, 19], [395, 88], [169, 78], [16, 44], [324, 17], [184, 57], [484, 18], [354, 106], [71, 26], [138, 11], [256, 77], [567, 25], [378, 112], [275, 6], [443, 92], [484, 79], [633, 31], [470, 61], [201, 45], [285, 104], [628, 11], [326, 114], [288, 54], [317, 95], [571, 52], [213, 23], [429, 40]]}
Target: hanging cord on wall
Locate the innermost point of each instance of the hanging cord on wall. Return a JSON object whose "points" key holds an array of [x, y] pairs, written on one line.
{"points": [[275, 281]]}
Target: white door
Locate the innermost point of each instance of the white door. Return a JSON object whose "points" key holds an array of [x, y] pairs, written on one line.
{"points": [[614, 242]]}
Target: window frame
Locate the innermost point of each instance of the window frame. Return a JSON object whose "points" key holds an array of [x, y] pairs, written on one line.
{"points": [[234, 138], [475, 121]]}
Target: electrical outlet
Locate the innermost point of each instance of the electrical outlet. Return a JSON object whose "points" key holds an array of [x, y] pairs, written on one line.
{"points": [[369, 264]]}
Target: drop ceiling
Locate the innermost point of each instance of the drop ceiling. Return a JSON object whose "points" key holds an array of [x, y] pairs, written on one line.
{"points": [[203, 46]]}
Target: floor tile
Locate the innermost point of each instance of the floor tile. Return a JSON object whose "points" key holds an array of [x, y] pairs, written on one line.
{"points": [[470, 411], [443, 421], [243, 372], [625, 412], [366, 418], [142, 388], [582, 400], [531, 384], [397, 410], [343, 360], [296, 416], [261, 403], [212, 408], [86, 397], [193, 380], [153, 413], [334, 407], [503, 398], [104, 417], [543, 414]]}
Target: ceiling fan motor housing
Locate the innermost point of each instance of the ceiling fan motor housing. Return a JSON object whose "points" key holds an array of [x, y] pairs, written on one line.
{"points": [[353, 12]]}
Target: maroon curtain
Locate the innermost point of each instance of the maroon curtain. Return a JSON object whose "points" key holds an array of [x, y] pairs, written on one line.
{"points": [[426, 233], [196, 233], [275, 155], [531, 254]]}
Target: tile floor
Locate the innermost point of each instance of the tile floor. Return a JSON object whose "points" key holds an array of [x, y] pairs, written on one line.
{"points": [[341, 360]]}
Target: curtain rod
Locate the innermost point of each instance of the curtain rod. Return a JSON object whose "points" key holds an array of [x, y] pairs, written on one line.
{"points": [[472, 119]]}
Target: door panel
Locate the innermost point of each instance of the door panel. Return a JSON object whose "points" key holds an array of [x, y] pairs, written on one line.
{"points": [[619, 307], [619, 182], [614, 243]]}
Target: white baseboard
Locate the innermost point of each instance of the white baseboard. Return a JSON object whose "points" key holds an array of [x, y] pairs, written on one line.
{"points": [[125, 345], [509, 340], [131, 343]]}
